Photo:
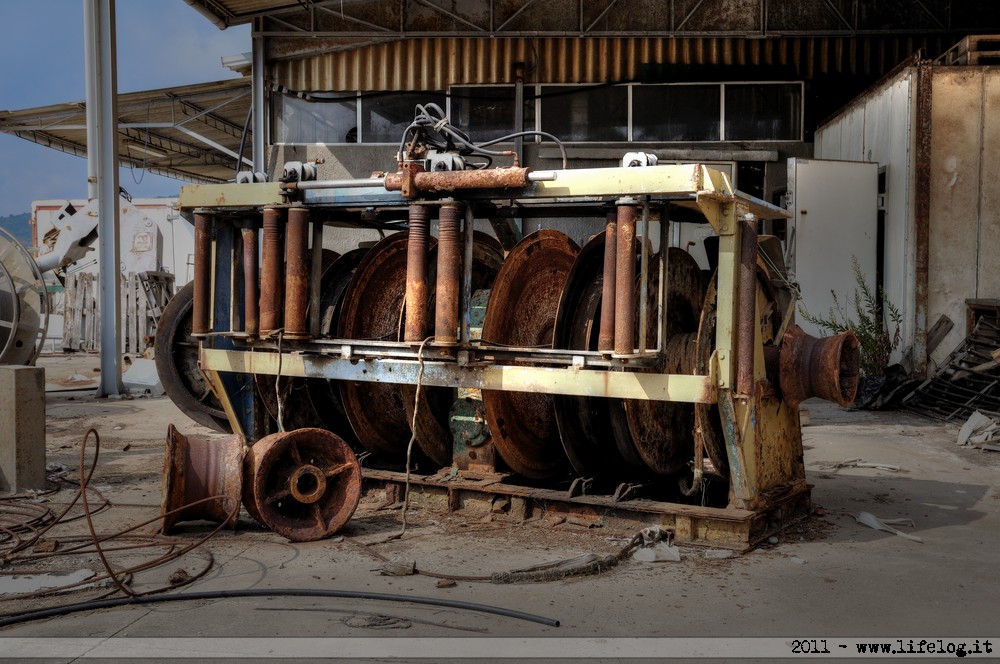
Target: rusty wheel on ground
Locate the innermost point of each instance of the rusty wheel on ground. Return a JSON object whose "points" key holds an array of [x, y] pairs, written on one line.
{"points": [[303, 484]]}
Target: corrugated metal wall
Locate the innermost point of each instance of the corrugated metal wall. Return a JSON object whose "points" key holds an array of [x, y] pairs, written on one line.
{"points": [[436, 63]]}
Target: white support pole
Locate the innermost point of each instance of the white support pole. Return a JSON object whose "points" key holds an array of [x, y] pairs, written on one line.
{"points": [[102, 158], [259, 114]]}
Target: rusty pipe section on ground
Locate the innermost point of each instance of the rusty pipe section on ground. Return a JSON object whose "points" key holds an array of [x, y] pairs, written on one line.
{"points": [[251, 311], [624, 342], [606, 336], [202, 479], [415, 327], [827, 368], [297, 272], [449, 274], [746, 308], [413, 181], [271, 283], [202, 273]]}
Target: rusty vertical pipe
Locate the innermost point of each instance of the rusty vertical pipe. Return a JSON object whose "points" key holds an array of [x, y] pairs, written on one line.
{"points": [[747, 308], [272, 267], [202, 273], [297, 272], [315, 278], [449, 274], [251, 311], [606, 338], [624, 343], [415, 328]]}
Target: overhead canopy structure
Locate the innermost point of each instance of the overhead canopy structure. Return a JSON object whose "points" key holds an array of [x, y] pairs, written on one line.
{"points": [[398, 19], [192, 132]]}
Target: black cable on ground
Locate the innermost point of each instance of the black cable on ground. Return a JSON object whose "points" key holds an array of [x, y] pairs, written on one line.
{"points": [[67, 609]]}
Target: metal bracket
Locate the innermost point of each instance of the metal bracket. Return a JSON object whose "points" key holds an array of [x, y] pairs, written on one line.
{"points": [[625, 491], [580, 486]]}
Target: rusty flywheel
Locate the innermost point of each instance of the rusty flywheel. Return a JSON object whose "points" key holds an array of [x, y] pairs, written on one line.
{"points": [[521, 313], [303, 484]]}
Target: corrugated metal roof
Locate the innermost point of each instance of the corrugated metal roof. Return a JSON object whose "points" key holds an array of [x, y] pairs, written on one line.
{"points": [[190, 132], [435, 63]]}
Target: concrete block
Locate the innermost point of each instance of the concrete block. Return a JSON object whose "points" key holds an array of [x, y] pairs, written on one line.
{"points": [[22, 428]]}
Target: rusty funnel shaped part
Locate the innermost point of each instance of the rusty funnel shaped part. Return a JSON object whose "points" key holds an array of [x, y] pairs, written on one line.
{"points": [[827, 368], [202, 479]]}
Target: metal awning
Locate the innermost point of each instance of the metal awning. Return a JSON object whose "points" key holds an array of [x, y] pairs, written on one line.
{"points": [[192, 132], [356, 20]]}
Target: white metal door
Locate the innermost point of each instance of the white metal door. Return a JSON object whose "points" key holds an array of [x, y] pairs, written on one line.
{"points": [[834, 207]]}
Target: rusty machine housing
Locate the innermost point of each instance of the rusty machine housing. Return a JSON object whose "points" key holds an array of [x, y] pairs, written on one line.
{"points": [[611, 379]]}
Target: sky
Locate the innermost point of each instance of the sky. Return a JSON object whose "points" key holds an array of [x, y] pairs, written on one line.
{"points": [[161, 43]]}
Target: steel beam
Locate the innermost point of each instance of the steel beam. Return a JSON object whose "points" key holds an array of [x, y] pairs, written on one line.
{"points": [[574, 382]]}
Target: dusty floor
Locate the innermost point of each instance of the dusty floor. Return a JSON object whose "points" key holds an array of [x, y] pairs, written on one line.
{"points": [[827, 577]]}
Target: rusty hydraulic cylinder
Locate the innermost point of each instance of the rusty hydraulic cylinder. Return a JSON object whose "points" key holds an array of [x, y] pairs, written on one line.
{"points": [[271, 269], [415, 328], [439, 181], [297, 272], [606, 337], [251, 311], [827, 368], [202, 274], [624, 343], [746, 308], [449, 274]]}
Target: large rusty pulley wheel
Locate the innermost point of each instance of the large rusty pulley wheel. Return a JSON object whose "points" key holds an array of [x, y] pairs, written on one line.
{"points": [[303, 484], [176, 356]]}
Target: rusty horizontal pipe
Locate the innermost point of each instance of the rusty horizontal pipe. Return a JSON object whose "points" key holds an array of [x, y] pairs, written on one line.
{"points": [[439, 181], [297, 272], [746, 308], [415, 327], [606, 337], [251, 303], [272, 267], [202, 274], [827, 368], [624, 343], [449, 274]]}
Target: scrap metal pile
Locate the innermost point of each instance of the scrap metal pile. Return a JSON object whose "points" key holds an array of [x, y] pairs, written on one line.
{"points": [[618, 375]]}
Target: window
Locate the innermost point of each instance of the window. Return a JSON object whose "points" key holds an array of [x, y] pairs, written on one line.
{"points": [[384, 118], [585, 114], [676, 112], [763, 112], [299, 121], [486, 113]]}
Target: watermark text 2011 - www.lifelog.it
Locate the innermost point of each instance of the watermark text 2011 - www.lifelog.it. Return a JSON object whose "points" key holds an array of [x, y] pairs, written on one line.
{"points": [[958, 648]]}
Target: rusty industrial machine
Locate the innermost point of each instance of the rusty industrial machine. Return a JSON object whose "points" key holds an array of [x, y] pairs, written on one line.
{"points": [[618, 377]]}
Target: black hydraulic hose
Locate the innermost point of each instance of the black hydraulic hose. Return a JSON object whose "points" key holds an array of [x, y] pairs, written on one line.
{"points": [[67, 609]]}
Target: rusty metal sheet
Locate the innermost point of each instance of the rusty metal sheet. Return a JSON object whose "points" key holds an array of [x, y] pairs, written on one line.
{"points": [[198, 468], [303, 484], [521, 312]]}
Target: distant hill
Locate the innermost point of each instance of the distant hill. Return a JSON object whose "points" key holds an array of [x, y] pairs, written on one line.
{"points": [[18, 225]]}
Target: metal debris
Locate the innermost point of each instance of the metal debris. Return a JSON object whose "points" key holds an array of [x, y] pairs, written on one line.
{"points": [[872, 521]]}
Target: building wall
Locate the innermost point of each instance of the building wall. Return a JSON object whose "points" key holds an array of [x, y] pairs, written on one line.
{"points": [[964, 233], [877, 128], [965, 193]]}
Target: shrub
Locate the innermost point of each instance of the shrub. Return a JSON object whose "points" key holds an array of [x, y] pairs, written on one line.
{"points": [[876, 340]]}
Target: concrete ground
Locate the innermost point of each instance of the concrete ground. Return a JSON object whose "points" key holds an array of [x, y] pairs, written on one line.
{"points": [[828, 577]]}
